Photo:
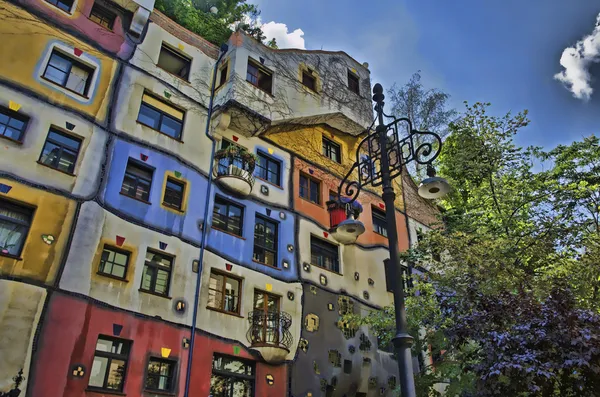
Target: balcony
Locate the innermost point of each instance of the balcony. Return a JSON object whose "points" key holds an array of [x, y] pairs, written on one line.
{"points": [[269, 334], [233, 170]]}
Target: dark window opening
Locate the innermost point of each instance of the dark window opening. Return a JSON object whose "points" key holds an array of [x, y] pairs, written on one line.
{"points": [[174, 191], [15, 221], [161, 116], [353, 82], [308, 80], [113, 262], [265, 241], [331, 150], [227, 217], [259, 77], [156, 277], [137, 181], [224, 292], [310, 189], [12, 124], [223, 76], [160, 375], [324, 254], [110, 364], [102, 16], [406, 280], [174, 62], [60, 151], [68, 73], [347, 366], [379, 221], [268, 169], [64, 5], [231, 377]]}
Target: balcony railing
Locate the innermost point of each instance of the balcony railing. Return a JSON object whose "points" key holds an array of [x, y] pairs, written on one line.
{"points": [[234, 169], [270, 329]]}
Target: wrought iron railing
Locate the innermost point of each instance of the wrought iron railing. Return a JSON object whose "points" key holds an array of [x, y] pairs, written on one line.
{"points": [[237, 164], [270, 329]]}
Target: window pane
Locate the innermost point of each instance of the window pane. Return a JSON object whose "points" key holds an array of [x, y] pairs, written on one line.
{"points": [[18, 124], [66, 161], [78, 79], [314, 192], [116, 375], [12, 237], [50, 154], [149, 116], [147, 277], [59, 62], [171, 127], [231, 294], [162, 282], [174, 63], [98, 372]]}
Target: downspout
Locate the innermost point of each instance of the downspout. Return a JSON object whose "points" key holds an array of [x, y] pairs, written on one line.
{"points": [[224, 49]]}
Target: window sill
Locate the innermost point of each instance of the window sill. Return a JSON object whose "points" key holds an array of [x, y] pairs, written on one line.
{"points": [[312, 202], [55, 169], [270, 183], [264, 264], [63, 87], [171, 208], [11, 139], [15, 257], [104, 391], [332, 160], [159, 392], [154, 293], [160, 132], [261, 89], [327, 270], [135, 198], [226, 232], [183, 80], [224, 312], [113, 277], [379, 234]]}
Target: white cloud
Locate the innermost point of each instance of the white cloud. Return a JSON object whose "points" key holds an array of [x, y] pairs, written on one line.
{"points": [[284, 39], [577, 60]]}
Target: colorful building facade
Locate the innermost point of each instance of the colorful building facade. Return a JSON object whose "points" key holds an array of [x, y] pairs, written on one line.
{"points": [[127, 232]]}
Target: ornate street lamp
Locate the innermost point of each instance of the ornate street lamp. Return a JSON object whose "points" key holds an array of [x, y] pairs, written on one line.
{"points": [[380, 158]]}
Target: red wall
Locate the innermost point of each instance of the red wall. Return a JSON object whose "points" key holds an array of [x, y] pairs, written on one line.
{"points": [[68, 337]]}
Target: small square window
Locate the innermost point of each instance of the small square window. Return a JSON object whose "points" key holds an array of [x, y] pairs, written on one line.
{"points": [[268, 169], [310, 189], [332, 150], [12, 124], [64, 5], [15, 221], [309, 80], [353, 82], [324, 254], [102, 16], [258, 76], [174, 193], [161, 116], [110, 364], [60, 151], [379, 221], [224, 292], [137, 181], [265, 241], [174, 62], [160, 375], [156, 277], [69, 73], [227, 216], [113, 262]]}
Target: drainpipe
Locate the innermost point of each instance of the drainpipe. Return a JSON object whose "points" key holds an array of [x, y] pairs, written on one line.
{"points": [[224, 49]]}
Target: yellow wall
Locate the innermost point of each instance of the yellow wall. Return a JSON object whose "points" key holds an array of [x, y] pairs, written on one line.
{"points": [[53, 216], [25, 42], [307, 144]]}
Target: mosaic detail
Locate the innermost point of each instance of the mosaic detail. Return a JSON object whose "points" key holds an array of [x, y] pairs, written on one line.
{"points": [[365, 343], [311, 322], [323, 279], [78, 371], [303, 345]]}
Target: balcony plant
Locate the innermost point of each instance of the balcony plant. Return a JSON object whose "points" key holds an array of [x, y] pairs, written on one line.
{"points": [[234, 152]]}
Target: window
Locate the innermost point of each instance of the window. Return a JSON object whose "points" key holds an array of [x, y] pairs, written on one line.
{"points": [[347, 366], [231, 377], [113, 262], [137, 181], [353, 82], [331, 150], [324, 254], [265, 328], [379, 222], [110, 363], [224, 292], [174, 62], [335, 358], [14, 226], [64, 5], [161, 116], [174, 191], [161, 375], [259, 77], [60, 151], [265, 241], [310, 189], [102, 16], [268, 169], [12, 124], [227, 217], [308, 80], [157, 273], [223, 76], [406, 281], [68, 73]]}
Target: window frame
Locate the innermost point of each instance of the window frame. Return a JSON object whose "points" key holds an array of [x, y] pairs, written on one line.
{"points": [[223, 294], [172, 375], [62, 1], [223, 74], [156, 267], [250, 366], [141, 165], [268, 160], [406, 279], [62, 147], [261, 71], [119, 251], [183, 186], [355, 79], [12, 115], [103, 13], [275, 250], [110, 356], [378, 218], [89, 69], [325, 246], [23, 210], [330, 147], [177, 54], [309, 179], [309, 74], [265, 309], [223, 201], [162, 115]]}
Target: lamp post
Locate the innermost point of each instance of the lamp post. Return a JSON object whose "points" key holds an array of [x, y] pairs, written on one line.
{"points": [[380, 158]]}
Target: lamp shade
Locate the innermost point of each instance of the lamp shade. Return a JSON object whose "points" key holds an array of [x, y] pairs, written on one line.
{"points": [[434, 188]]}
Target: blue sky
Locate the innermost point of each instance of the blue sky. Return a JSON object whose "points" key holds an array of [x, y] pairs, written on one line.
{"points": [[505, 52]]}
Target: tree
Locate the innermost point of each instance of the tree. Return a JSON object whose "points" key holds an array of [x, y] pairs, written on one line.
{"points": [[272, 43], [427, 109]]}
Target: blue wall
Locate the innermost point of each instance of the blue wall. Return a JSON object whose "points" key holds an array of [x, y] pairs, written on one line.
{"points": [[186, 224]]}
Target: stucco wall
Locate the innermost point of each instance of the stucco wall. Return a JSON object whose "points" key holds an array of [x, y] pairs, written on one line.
{"points": [[20, 309]]}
